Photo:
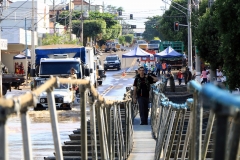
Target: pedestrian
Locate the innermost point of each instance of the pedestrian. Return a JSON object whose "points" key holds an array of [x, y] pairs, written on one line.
{"points": [[179, 77], [145, 67], [169, 67], [193, 73], [164, 67], [204, 76], [159, 68], [219, 75], [21, 68], [141, 88], [187, 75], [172, 82], [28, 70]]}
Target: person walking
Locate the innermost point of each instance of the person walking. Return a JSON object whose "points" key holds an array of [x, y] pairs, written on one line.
{"points": [[179, 77], [141, 88], [204, 76], [187, 76]]}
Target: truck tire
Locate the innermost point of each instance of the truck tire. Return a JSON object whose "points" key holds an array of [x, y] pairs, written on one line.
{"points": [[99, 83], [4, 90]]}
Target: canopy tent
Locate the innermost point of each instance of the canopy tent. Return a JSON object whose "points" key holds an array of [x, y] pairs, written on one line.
{"points": [[22, 55], [137, 52], [169, 52]]}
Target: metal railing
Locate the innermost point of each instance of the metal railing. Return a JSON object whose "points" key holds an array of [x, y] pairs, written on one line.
{"points": [[112, 118], [179, 129]]}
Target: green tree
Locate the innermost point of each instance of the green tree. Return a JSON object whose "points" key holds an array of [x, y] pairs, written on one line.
{"points": [[208, 45], [129, 38], [121, 40], [227, 21], [152, 28], [55, 39]]}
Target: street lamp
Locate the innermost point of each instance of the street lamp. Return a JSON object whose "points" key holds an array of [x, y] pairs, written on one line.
{"points": [[84, 15]]}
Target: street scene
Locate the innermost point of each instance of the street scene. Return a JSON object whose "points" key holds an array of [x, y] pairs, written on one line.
{"points": [[132, 80]]}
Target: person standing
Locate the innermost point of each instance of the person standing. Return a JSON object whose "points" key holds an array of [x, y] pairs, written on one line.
{"points": [[141, 88], [204, 75], [179, 77], [159, 68], [164, 67], [187, 76], [219, 75], [193, 73]]}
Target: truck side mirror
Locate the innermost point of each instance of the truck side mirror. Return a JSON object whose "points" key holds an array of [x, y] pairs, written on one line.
{"points": [[87, 72], [32, 72]]}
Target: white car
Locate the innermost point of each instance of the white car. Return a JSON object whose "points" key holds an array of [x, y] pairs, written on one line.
{"points": [[64, 98]]}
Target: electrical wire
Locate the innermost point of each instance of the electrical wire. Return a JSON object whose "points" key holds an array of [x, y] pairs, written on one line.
{"points": [[14, 10], [14, 28]]}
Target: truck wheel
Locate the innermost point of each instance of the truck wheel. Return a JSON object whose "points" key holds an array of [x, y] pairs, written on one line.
{"points": [[4, 90], [95, 84], [99, 83]]}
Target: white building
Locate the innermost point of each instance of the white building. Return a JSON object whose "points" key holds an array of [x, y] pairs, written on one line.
{"points": [[13, 27]]}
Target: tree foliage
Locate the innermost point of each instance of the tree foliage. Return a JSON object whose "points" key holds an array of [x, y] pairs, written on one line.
{"points": [[98, 25], [129, 38], [152, 28], [163, 26], [207, 39], [55, 39], [121, 39], [217, 39], [228, 21]]}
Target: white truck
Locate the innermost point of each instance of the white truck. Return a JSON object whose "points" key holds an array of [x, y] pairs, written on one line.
{"points": [[59, 62]]}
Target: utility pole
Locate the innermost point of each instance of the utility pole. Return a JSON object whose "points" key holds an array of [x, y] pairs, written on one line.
{"points": [[103, 7], [82, 22], [70, 20], [89, 8], [26, 49], [189, 36], [33, 39], [54, 17], [212, 72], [197, 58]]}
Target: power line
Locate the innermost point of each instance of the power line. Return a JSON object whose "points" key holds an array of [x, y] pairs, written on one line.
{"points": [[14, 10]]}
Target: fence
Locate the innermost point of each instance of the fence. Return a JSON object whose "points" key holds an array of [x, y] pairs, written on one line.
{"points": [[111, 120], [205, 126]]}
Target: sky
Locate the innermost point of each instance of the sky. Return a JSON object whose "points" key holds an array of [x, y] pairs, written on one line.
{"points": [[141, 9]]}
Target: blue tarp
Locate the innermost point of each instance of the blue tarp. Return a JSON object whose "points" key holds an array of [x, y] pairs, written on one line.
{"points": [[43, 53], [169, 52], [137, 52]]}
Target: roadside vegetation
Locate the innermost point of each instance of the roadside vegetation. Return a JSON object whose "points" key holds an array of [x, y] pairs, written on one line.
{"points": [[215, 31]]}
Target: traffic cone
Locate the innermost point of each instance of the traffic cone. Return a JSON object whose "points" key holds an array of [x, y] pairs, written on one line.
{"points": [[123, 73]]}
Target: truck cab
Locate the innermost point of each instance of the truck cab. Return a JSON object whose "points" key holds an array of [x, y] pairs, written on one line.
{"points": [[154, 45], [63, 94]]}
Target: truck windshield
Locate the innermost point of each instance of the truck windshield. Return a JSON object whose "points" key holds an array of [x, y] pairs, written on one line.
{"points": [[154, 42], [61, 86], [56, 68], [111, 58]]}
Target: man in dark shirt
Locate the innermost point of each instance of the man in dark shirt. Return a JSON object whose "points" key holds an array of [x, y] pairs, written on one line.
{"points": [[141, 88]]}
